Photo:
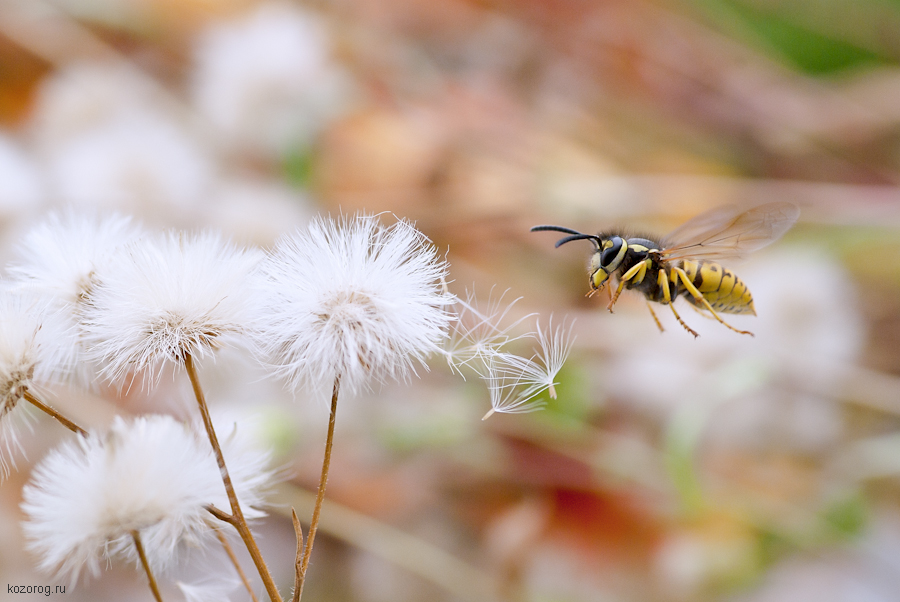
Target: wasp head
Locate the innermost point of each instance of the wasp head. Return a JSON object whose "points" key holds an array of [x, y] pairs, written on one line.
{"points": [[608, 252]]}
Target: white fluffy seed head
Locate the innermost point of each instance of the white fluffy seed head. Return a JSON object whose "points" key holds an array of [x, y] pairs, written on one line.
{"points": [[164, 297], [35, 348], [59, 259], [354, 298], [152, 474], [61, 256]]}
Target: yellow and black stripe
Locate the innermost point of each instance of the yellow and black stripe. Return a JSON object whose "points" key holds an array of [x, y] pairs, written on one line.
{"points": [[724, 291]]}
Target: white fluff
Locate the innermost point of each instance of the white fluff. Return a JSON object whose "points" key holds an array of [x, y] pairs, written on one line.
{"points": [[35, 346], [515, 382], [161, 298], [152, 474], [480, 339], [352, 298], [58, 261], [479, 331], [60, 256]]}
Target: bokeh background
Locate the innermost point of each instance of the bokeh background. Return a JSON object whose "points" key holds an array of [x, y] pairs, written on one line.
{"points": [[668, 469]]}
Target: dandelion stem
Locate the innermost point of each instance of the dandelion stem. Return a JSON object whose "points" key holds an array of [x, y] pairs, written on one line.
{"points": [[320, 495], [222, 516], [53, 413], [298, 559], [239, 522], [237, 565], [140, 549]]}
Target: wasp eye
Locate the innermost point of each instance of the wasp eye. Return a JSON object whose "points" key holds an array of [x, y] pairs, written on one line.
{"points": [[612, 251]]}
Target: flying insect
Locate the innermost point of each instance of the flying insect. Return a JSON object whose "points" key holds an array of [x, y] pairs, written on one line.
{"points": [[685, 262]]}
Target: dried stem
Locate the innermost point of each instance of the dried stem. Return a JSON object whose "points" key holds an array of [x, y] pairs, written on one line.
{"points": [[320, 495], [140, 549], [222, 516], [54, 414], [298, 558], [237, 516], [237, 565]]}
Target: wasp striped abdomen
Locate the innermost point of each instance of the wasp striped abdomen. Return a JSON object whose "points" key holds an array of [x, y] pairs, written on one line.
{"points": [[724, 291]]}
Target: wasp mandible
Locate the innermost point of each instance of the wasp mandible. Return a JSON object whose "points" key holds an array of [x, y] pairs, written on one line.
{"points": [[685, 262]]}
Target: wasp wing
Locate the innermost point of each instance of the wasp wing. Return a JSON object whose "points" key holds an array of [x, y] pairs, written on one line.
{"points": [[727, 232]]}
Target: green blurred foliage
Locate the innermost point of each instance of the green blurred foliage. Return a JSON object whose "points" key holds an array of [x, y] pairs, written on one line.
{"points": [[794, 34], [847, 515], [297, 167]]}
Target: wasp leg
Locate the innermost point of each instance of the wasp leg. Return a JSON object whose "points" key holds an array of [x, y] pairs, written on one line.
{"points": [[655, 319], [637, 272], [699, 297], [613, 298], [701, 311], [663, 281]]}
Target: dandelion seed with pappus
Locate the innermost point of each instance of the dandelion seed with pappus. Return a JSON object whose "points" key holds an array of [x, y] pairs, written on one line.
{"points": [[478, 331], [480, 340], [35, 346], [163, 298], [554, 345], [152, 475], [354, 298], [515, 382], [58, 260]]}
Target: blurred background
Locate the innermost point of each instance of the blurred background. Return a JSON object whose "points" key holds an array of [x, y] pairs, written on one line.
{"points": [[725, 468]]}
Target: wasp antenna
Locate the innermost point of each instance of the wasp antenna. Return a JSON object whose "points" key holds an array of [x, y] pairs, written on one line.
{"points": [[554, 229], [591, 237], [575, 235]]}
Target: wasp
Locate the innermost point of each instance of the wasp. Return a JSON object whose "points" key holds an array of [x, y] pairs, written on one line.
{"points": [[685, 262]]}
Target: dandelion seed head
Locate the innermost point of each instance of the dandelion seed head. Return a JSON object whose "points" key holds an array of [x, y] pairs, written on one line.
{"points": [[151, 474], [354, 298], [162, 298], [35, 349], [60, 256], [32, 343], [58, 261]]}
